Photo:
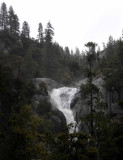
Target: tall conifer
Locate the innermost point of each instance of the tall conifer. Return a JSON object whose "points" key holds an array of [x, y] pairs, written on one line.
{"points": [[3, 17], [13, 22], [25, 29], [40, 33]]}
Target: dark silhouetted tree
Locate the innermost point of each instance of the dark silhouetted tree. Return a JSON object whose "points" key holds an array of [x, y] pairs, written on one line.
{"points": [[90, 90], [40, 33], [74, 146], [49, 33], [3, 17], [13, 22], [25, 29], [90, 57], [25, 35]]}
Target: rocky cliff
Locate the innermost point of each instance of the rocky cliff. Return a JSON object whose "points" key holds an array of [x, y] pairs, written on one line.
{"points": [[80, 107], [43, 100]]}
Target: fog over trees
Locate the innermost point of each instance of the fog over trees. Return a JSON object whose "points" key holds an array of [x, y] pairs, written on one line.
{"points": [[27, 131]]}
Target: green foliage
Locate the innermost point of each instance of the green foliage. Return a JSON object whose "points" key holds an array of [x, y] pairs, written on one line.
{"points": [[3, 17], [74, 67], [100, 125], [88, 88], [25, 136], [27, 68], [43, 89], [111, 146], [40, 34], [25, 29], [44, 107], [67, 79], [112, 66], [49, 33], [25, 91], [47, 127], [39, 58], [19, 127], [74, 146], [13, 22]]}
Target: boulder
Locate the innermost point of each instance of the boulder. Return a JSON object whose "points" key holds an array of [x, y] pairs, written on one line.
{"points": [[56, 116], [59, 120], [51, 84]]}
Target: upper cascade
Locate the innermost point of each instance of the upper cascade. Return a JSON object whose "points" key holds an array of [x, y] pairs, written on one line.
{"points": [[62, 98]]}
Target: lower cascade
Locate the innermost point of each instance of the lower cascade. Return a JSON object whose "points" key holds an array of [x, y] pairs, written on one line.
{"points": [[61, 98]]}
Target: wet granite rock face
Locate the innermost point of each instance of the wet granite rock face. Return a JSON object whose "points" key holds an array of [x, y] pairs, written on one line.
{"points": [[79, 104], [80, 108], [59, 120], [51, 84], [56, 116]]}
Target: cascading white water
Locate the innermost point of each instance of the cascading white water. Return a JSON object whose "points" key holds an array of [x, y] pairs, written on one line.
{"points": [[61, 98]]}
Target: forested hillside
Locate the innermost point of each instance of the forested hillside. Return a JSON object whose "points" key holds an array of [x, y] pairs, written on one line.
{"points": [[28, 133], [31, 58]]}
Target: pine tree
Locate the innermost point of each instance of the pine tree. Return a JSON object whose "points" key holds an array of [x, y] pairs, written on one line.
{"points": [[49, 33], [49, 54], [96, 120], [24, 140], [74, 146], [67, 51], [90, 90], [25, 29], [77, 54], [90, 57], [13, 22], [25, 38], [40, 33], [3, 17]]}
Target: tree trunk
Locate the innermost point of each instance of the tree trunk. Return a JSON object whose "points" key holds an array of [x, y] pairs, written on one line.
{"points": [[109, 103]]}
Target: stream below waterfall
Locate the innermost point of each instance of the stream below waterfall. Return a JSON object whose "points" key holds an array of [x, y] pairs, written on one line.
{"points": [[62, 98]]}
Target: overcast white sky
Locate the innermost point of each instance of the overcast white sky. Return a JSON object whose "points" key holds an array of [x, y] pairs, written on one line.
{"points": [[75, 22]]}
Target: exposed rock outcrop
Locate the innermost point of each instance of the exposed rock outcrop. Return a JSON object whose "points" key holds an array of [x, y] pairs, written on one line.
{"points": [[58, 119], [80, 107], [56, 116], [51, 84]]}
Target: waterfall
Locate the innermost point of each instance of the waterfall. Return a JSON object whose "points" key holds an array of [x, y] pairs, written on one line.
{"points": [[61, 98]]}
